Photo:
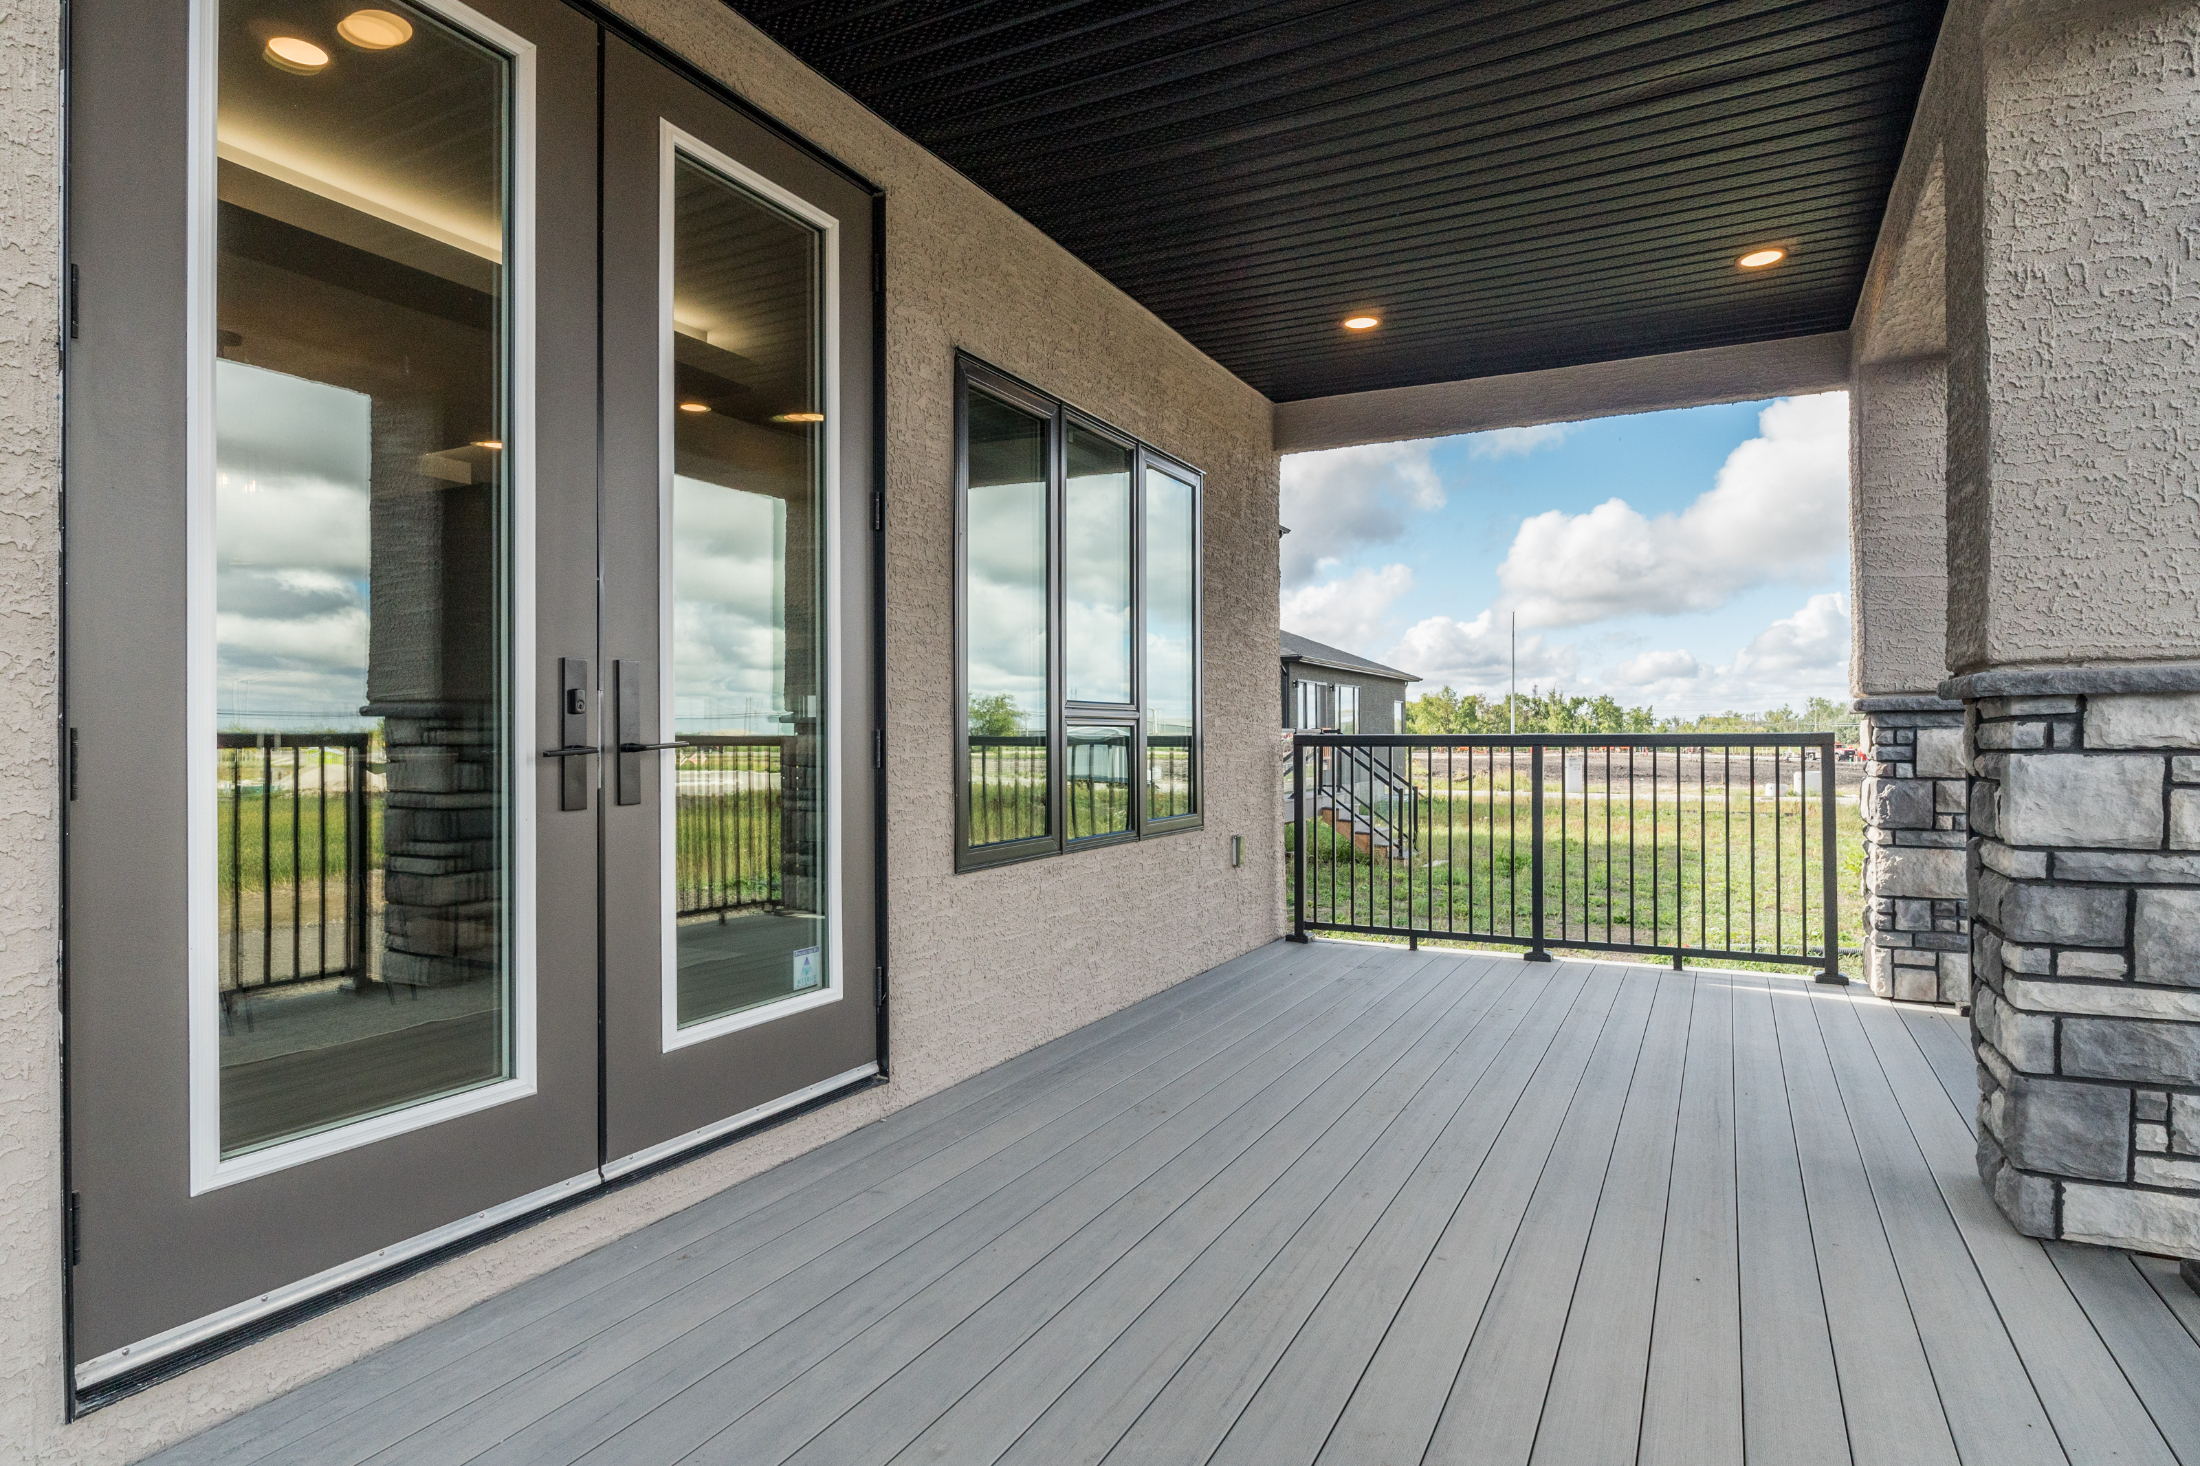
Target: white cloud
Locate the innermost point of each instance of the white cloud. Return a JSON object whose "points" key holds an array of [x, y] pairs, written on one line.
{"points": [[1649, 667], [1792, 660], [1347, 612], [1476, 656], [1517, 442], [1777, 512], [1341, 499]]}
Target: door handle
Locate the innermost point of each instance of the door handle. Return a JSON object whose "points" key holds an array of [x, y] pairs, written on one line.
{"points": [[626, 681]]}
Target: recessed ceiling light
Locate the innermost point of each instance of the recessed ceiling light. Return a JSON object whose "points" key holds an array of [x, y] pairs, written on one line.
{"points": [[1758, 259], [375, 30], [799, 417], [695, 407], [1362, 323], [489, 443], [300, 58]]}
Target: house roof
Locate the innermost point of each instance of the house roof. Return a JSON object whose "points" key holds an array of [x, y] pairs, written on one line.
{"points": [[1511, 185], [1298, 648]]}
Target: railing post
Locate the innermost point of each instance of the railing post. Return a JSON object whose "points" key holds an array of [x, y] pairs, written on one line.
{"points": [[1535, 856], [1298, 840], [1832, 894]]}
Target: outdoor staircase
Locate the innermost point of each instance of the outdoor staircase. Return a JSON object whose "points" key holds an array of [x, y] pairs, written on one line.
{"points": [[1362, 799]]}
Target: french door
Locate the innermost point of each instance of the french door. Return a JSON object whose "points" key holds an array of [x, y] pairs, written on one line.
{"points": [[468, 713]]}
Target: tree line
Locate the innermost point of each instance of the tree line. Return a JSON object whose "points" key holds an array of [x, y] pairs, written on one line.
{"points": [[1446, 711]]}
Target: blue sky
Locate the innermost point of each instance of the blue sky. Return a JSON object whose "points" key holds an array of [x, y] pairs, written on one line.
{"points": [[1693, 560]]}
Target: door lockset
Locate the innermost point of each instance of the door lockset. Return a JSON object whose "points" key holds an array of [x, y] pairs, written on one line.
{"points": [[573, 745]]}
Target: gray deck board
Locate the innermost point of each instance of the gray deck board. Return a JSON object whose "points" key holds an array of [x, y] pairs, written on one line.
{"points": [[1692, 1399], [1346, 1203], [1791, 1395]]}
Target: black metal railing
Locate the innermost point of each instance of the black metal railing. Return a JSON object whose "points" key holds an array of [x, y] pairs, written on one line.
{"points": [[729, 805], [299, 833], [1715, 846]]}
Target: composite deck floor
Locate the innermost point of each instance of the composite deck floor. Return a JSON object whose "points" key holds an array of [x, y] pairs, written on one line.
{"points": [[1338, 1203]]}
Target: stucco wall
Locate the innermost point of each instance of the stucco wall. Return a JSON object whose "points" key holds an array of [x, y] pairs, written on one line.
{"points": [[30, 438], [1898, 434], [984, 965], [2073, 175]]}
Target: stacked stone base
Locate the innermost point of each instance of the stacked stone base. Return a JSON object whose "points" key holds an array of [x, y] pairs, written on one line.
{"points": [[2086, 952], [1917, 918], [443, 876]]}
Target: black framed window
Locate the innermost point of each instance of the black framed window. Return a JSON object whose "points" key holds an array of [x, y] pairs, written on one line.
{"points": [[1077, 628]]}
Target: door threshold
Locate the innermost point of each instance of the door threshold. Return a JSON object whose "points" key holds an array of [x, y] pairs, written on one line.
{"points": [[680, 1145], [122, 1372]]}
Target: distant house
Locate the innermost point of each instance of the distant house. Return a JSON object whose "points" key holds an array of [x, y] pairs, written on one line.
{"points": [[1326, 688]]}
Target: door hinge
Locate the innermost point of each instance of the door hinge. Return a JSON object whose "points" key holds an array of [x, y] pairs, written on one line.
{"points": [[76, 1232], [74, 295], [72, 765], [878, 748], [878, 978], [878, 513]]}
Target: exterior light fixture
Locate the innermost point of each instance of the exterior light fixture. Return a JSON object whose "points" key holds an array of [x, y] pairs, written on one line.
{"points": [[1362, 323], [299, 58], [1758, 259], [799, 417], [375, 30], [695, 407]]}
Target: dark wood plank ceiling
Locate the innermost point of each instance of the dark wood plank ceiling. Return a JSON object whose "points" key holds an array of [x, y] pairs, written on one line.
{"points": [[1510, 185]]}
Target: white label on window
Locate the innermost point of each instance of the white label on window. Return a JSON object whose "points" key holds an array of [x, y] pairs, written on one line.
{"points": [[806, 974]]}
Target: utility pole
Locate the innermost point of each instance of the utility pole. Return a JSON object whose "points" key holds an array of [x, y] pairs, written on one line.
{"points": [[1512, 703]]}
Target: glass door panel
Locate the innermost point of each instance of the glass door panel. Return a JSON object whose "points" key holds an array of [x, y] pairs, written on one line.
{"points": [[361, 569], [748, 623]]}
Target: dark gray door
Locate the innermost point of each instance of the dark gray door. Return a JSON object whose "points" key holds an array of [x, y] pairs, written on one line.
{"points": [[332, 406], [738, 863]]}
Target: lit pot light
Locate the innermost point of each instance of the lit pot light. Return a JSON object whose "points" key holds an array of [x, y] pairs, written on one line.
{"points": [[490, 443], [375, 30], [799, 417], [695, 407], [299, 58], [1362, 323], [1758, 259]]}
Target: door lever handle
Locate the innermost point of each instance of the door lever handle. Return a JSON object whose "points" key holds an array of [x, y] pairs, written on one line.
{"points": [[571, 750], [652, 747]]}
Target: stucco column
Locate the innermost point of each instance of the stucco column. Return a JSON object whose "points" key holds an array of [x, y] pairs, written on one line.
{"points": [[1917, 943], [2073, 178]]}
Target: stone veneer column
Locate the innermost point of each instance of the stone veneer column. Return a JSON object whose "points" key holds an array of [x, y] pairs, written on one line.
{"points": [[2071, 178], [1917, 909], [1917, 944], [2087, 869]]}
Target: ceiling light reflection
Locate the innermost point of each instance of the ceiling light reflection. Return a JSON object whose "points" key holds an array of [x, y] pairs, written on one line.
{"points": [[374, 30], [298, 57]]}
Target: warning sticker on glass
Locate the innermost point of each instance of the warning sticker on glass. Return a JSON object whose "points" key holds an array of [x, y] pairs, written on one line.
{"points": [[807, 972]]}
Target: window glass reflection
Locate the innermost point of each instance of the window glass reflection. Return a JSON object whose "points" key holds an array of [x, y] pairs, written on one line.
{"points": [[1099, 778], [1172, 670], [360, 528], [1096, 569], [748, 612], [1005, 613]]}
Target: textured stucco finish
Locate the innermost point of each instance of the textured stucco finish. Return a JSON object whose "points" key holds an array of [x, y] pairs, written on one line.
{"points": [[30, 542], [1898, 568], [984, 965], [2073, 175]]}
